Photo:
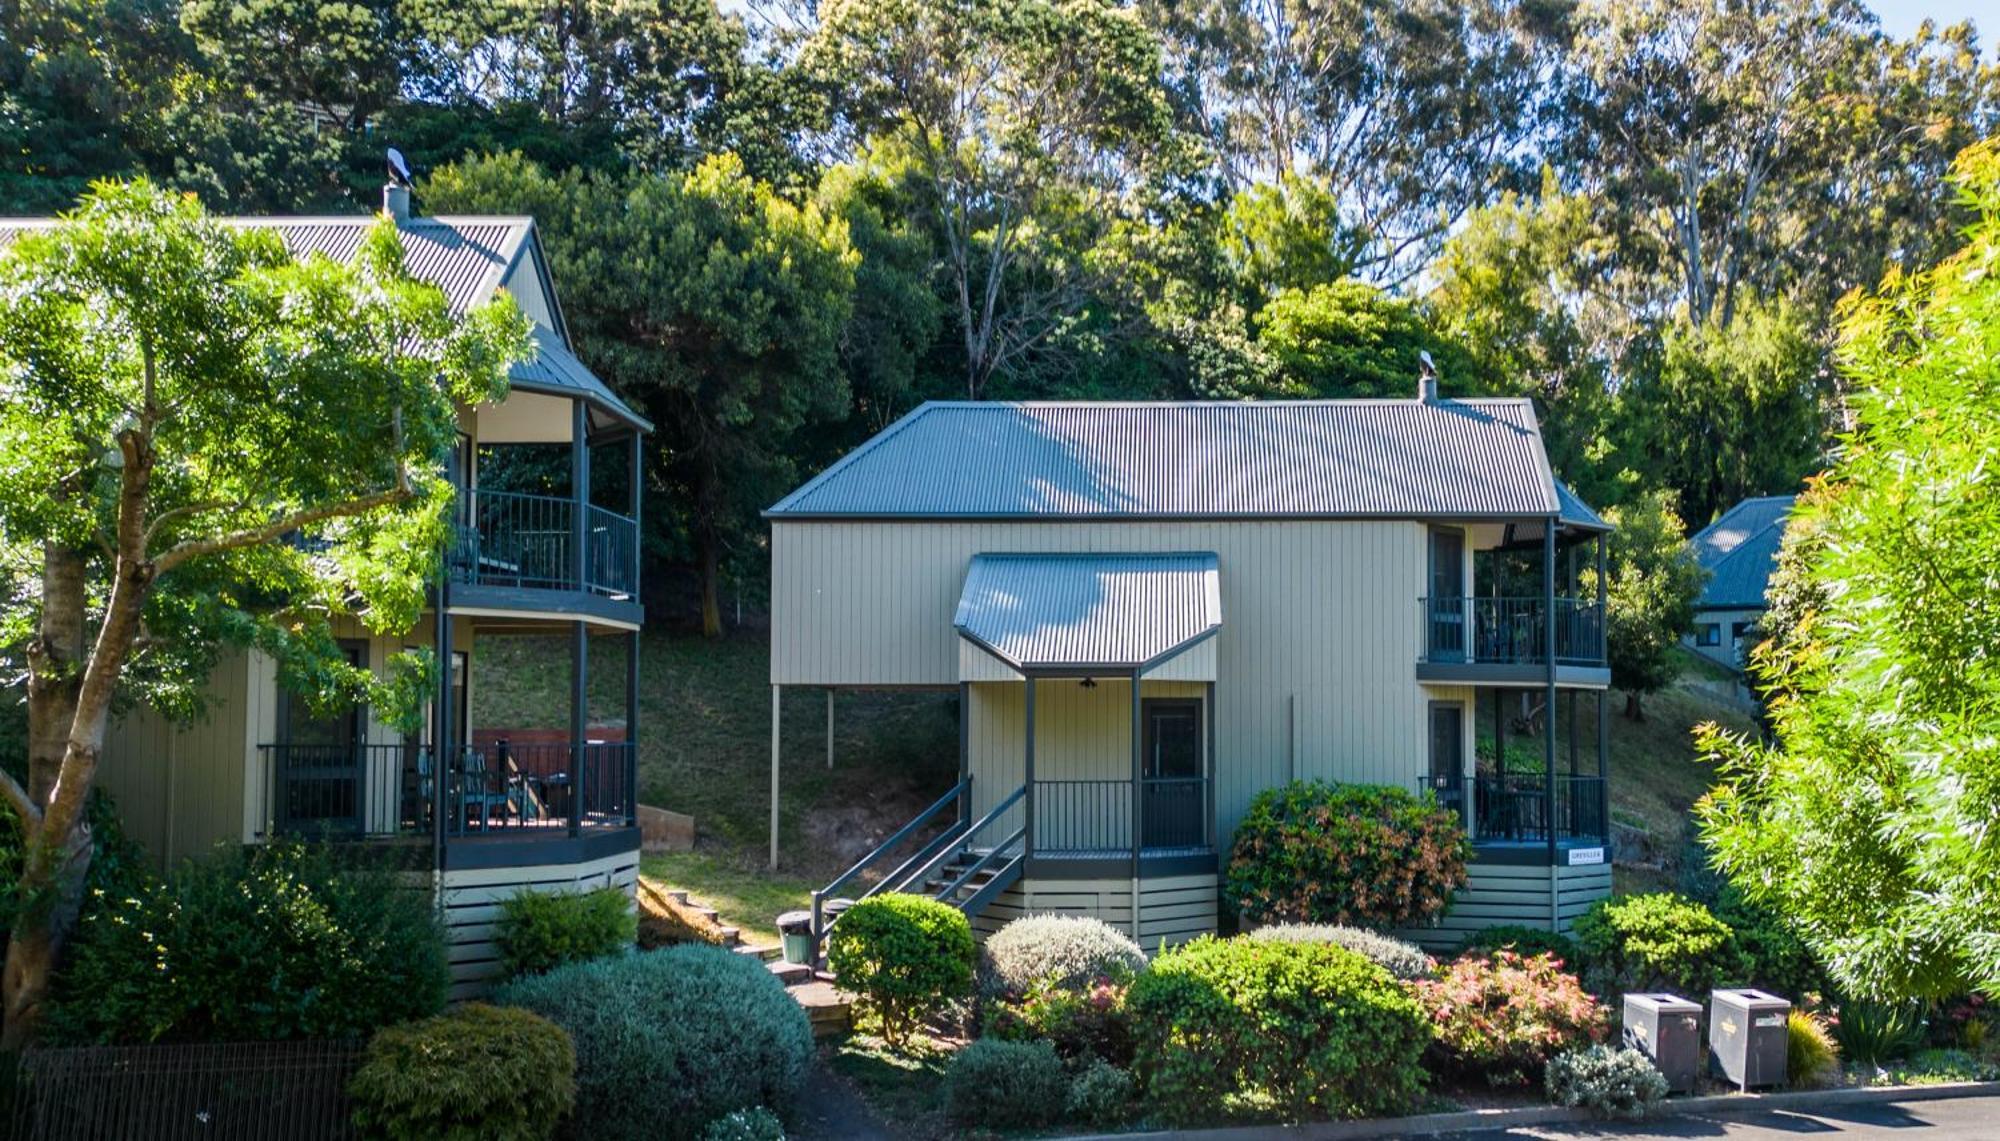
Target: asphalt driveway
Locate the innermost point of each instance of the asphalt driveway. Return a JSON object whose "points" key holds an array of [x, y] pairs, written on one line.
{"points": [[1951, 1119]]}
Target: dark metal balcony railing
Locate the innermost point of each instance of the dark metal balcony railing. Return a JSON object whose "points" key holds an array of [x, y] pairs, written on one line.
{"points": [[506, 538], [389, 790], [1512, 630], [1515, 807], [1096, 815]]}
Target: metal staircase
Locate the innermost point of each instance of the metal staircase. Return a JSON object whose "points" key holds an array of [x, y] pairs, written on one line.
{"points": [[967, 864]]}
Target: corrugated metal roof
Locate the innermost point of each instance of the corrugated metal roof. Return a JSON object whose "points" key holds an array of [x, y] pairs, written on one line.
{"points": [[465, 257], [1329, 458], [1576, 513], [1740, 550], [1070, 612]]}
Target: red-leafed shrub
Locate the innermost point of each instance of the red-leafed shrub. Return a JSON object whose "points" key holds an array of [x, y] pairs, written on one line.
{"points": [[1358, 855], [1501, 1017]]}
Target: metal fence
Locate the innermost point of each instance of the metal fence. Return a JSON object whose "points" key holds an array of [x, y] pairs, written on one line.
{"points": [[1512, 630], [252, 1091], [510, 539]]}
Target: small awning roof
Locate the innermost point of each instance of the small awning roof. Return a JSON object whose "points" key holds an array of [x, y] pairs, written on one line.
{"points": [[1082, 612]]}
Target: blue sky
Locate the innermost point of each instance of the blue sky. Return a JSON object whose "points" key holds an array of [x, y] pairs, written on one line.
{"points": [[1901, 17]]}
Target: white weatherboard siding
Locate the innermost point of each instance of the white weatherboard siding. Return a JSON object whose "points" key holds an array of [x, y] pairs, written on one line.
{"points": [[1314, 664], [1514, 894], [469, 902], [1172, 909]]}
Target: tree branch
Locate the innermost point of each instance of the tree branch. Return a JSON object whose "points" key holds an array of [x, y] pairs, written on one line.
{"points": [[292, 521], [18, 799]]}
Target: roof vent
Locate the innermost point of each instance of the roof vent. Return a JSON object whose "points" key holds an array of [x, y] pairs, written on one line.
{"points": [[396, 192], [1427, 378]]}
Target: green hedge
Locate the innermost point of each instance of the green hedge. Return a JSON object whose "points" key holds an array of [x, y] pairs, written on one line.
{"points": [[477, 1073], [250, 944], [1260, 1027], [1659, 941], [1006, 1085], [905, 956], [539, 931], [667, 1041], [1354, 855]]}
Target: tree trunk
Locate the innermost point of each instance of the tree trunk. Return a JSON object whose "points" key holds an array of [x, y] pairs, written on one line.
{"points": [[711, 587], [55, 667], [36, 943], [1632, 710]]}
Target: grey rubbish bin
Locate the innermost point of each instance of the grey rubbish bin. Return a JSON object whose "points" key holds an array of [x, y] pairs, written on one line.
{"points": [[1747, 1034], [795, 930], [1667, 1029]]}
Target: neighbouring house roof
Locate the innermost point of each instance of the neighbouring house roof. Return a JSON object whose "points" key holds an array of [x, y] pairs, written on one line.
{"points": [[1073, 612], [1466, 459], [468, 258], [1739, 550]]}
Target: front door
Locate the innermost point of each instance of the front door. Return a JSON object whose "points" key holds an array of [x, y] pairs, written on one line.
{"points": [[319, 762], [1176, 794]]}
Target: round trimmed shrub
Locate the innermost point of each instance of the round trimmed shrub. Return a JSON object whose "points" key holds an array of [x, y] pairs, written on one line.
{"points": [[1405, 961], [1522, 940], [904, 956], [1256, 1026], [1101, 1095], [251, 944], [1501, 1017], [1615, 1082], [1353, 854], [477, 1073], [669, 1040], [1066, 951], [1006, 1085], [1658, 941], [539, 930]]}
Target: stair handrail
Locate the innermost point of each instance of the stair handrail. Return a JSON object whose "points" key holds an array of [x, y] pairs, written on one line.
{"points": [[962, 788], [980, 864], [1000, 809]]}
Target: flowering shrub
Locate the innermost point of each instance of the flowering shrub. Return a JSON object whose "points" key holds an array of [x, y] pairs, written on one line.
{"points": [[1300, 1030], [1502, 1017], [1614, 1082], [1081, 1025], [1660, 941], [1406, 961], [1356, 855]]}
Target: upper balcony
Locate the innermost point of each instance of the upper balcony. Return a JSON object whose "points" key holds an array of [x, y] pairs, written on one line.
{"points": [[544, 552], [1513, 641]]}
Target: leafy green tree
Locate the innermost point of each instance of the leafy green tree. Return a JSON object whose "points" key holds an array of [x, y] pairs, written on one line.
{"points": [[1348, 338], [897, 314], [1024, 127], [177, 397], [1654, 582], [1721, 412], [1285, 235], [1869, 823], [714, 304], [338, 61]]}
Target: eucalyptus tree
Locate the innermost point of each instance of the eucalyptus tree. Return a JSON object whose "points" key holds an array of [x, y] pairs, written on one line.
{"points": [[1029, 128], [204, 442]]}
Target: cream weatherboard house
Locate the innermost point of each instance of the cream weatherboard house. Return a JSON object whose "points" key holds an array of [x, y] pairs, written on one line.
{"points": [[1151, 612], [1739, 551], [486, 810]]}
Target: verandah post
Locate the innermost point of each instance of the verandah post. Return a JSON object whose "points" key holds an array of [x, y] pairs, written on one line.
{"points": [[777, 693], [579, 721], [1028, 775], [1138, 798]]}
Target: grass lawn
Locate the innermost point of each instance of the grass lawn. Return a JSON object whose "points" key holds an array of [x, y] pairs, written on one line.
{"points": [[744, 895], [905, 1088]]}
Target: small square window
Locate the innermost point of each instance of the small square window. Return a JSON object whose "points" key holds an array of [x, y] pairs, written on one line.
{"points": [[1708, 634], [1742, 631]]}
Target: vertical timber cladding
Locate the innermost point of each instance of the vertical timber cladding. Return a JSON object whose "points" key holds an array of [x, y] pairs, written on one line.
{"points": [[1525, 895], [1172, 909], [1320, 616], [469, 904]]}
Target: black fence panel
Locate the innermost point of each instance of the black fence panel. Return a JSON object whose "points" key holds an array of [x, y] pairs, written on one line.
{"points": [[253, 1091]]}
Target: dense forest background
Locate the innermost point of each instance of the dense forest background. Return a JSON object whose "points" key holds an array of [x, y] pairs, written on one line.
{"points": [[778, 229]]}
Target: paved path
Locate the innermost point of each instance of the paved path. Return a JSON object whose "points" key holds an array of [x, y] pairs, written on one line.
{"points": [[1950, 1119]]}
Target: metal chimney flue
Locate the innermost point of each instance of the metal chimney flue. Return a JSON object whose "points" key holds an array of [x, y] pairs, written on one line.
{"points": [[1427, 378], [396, 201]]}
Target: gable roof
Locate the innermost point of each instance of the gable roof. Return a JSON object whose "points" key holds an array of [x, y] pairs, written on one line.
{"points": [[1088, 611], [466, 257], [1469, 459], [1740, 550]]}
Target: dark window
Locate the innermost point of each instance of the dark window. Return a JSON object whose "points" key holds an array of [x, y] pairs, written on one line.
{"points": [[1708, 634], [1742, 630], [318, 761], [1447, 741], [1176, 795], [1447, 595]]}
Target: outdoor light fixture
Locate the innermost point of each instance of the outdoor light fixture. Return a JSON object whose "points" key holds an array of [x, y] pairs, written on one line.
{"points": [[1089, 683]]}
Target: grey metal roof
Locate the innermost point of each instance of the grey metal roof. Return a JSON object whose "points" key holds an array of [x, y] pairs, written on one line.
{"points": [[1576, 513], [1740, 550], [1072, 611], [1327, 458], [465, 257]]}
